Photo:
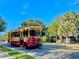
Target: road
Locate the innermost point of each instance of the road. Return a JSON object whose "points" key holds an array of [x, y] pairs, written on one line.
{"points": [[48, 51]]}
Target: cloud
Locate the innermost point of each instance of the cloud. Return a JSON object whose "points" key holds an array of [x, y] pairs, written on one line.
{"points": [[73, 3], [24, 9], [67, 3]]}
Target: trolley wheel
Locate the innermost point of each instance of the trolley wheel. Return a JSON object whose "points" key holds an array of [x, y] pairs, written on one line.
{"points": [[26, 47], [12, 44]]}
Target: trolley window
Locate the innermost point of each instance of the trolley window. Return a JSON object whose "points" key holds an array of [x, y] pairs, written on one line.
{"points": [[11, 34], [25, 33], [16, 34]]}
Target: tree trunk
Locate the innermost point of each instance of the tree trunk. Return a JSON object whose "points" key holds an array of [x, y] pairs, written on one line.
{"points": [[67, 39]]}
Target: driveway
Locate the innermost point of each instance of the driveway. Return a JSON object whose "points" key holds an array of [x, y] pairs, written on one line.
{"points": [[47, 51]]}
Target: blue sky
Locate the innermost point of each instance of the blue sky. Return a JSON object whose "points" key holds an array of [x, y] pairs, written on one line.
{"points": [[18, 11]]}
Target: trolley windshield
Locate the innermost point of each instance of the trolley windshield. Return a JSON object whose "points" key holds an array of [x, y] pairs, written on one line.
{"points": [[35, 33]]}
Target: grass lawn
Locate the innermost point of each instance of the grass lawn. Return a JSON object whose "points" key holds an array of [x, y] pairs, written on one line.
{"points": [[15, 54]]}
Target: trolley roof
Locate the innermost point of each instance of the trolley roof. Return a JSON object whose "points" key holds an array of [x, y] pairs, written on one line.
{"points": [[28, 27]]}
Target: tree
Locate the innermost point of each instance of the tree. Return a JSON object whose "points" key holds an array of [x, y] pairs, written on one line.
{"points": [[3, 37], [24, 24], [2, 24], [32, 22], [67, 24], [52, 29]]}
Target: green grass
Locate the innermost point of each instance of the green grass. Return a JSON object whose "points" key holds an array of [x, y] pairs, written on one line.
{"points": [[15, 54]]}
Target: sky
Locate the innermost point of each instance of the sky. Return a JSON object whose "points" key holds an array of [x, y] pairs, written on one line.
{"points": [[15, 12]]}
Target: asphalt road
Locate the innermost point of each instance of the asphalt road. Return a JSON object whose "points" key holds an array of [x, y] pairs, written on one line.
{"points": [[47, 51]]}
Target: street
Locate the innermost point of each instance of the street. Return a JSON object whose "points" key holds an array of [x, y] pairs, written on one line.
{"points": [[47, 51]]}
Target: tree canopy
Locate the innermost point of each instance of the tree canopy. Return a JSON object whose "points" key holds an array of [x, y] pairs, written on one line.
{"points": [[33, 22], [65, 25], [2, 24]]}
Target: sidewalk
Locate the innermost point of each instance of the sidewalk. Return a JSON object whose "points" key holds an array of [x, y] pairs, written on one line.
{"points": [[71, 46], [4, 55]]}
